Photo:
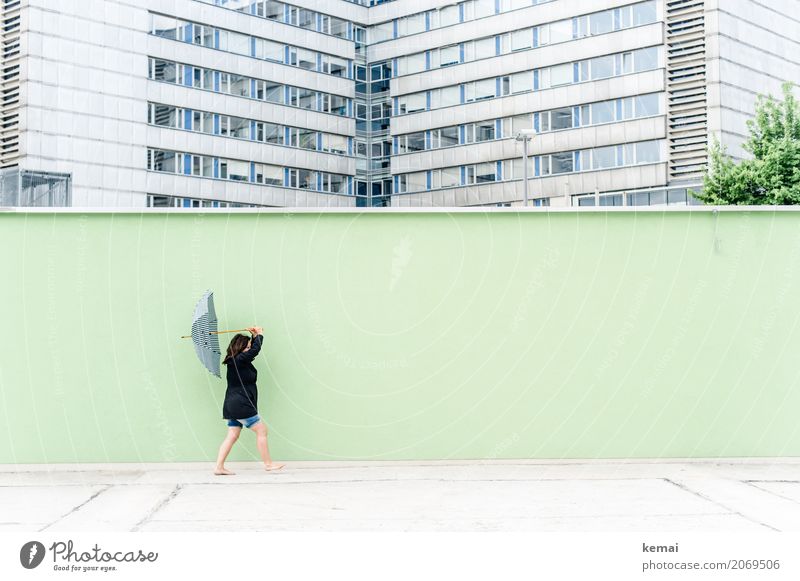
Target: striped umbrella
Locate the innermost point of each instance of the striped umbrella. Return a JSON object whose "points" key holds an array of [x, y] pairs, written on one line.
{"points": [[204, 333]]}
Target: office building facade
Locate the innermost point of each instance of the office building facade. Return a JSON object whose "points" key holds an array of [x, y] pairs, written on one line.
{"points": [[333, 103]]}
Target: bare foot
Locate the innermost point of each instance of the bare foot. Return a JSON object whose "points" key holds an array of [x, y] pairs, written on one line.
{"points": [[223, 472], [273, 466]]}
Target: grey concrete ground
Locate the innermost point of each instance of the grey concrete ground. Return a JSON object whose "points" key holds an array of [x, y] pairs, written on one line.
{"points": [[512, 495]]}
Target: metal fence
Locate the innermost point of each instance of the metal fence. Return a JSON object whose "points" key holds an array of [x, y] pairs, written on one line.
{"points": [[662, 196], [19, 187]]}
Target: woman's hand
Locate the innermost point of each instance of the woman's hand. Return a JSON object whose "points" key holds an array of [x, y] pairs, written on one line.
{"points": [[259, 330]]}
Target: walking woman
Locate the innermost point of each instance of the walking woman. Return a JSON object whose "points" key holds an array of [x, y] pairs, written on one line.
{"points": [[241, 399]]}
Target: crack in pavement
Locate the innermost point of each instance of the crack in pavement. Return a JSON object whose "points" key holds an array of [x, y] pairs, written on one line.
{"points": [[74, 509], [772, 492], [728, 508], [164, 502]]}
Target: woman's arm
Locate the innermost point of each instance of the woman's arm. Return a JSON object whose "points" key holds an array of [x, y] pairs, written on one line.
{"points": [[255, 347]]}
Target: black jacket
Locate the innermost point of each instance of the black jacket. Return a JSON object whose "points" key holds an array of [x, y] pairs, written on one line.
{"points": [[241, 397]]}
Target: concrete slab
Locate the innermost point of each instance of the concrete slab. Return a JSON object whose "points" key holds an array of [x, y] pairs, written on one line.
{"points": [[438, 500], [662, 523], [42, 503], [783, 489], [116, 508], [751, 502], [482, 495]]}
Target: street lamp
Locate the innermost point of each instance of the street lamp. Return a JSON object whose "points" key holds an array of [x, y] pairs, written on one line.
{"points": [[525, 135]]}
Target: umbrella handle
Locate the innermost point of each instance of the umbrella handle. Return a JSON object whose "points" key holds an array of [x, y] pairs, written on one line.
{"points": [[216, 333], [230, 331]]}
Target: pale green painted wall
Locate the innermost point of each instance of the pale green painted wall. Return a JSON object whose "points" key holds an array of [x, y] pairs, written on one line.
{"points": [[397, 336]]}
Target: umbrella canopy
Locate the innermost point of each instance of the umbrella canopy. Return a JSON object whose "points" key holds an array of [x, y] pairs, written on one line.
{"points": [[206, 344]]}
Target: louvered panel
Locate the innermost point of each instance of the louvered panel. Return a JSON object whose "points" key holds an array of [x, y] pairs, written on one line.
{"points": [[687, 111], [9, 84]]}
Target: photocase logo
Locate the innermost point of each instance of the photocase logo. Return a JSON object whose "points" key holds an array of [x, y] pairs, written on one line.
{"points": [[31, 554]]}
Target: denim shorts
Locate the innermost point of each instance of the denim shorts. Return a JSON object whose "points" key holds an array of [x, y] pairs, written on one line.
{"points": [[247, 422]]}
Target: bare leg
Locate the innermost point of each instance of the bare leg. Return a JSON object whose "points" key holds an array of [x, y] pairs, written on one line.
{"points": [[260, 429], [225, 449]]}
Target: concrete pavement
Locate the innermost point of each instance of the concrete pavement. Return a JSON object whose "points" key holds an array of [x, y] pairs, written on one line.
{"points": [[755, 494]]}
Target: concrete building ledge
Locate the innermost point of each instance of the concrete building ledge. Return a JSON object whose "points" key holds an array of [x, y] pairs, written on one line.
{"points": [[403, 210]]}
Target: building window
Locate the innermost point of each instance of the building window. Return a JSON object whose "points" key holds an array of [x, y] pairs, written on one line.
{"points": [[338, 27], [269, 51], [445, 97], [306, 18], [562, 162], [305, 59], [335, 66], [411, 142], [164, 26], [561, 74], [269, 91], [273, 10], [602, 67], [644, 13], [334, 143], [334, 183], [414, 63], [412, 103], [238, 170], [648, 152], [417, 181], [448, 15], [306, 99], [402, 184], [520, 122], [303, 138], [161, 70], [522, 39], [203, 36], [337, 105], [602, 112], [601, 22], [480, 49], [561, 118], [159, 160], [444, 137], [481, 8], [449, 177], [270, 133], [413, 24], [477, 132], [163, 115], [449, 55], [646, 59], [647, 105], [521, 82], [560, 31], [381, 32], [604, 157], [481, 173], [478, 90]]}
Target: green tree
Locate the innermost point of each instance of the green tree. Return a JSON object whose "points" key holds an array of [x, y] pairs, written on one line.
{"points": [[772, 176]]}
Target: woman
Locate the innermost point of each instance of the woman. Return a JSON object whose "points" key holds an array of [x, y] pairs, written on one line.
{"points": [[241, 398]]}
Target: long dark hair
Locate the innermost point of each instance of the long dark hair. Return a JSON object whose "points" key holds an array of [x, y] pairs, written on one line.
{"points": [[236, 346]]}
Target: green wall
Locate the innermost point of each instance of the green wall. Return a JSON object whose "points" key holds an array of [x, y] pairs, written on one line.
{"points": [[405, 335]]}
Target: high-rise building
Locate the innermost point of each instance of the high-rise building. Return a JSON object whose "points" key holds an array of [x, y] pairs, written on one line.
{"points": [[336, 103]]}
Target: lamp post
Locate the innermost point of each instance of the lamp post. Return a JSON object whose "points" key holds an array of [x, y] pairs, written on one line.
{"points": [[525, 135]]}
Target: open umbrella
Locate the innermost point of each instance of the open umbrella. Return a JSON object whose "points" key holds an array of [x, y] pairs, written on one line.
{"points": [[205, 335]]}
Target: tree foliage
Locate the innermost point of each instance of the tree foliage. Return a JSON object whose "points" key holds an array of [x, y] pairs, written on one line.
{"points": [[772, 176]]}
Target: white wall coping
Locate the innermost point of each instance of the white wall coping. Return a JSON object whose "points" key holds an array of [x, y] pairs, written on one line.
{"points": [[402, 210]]}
